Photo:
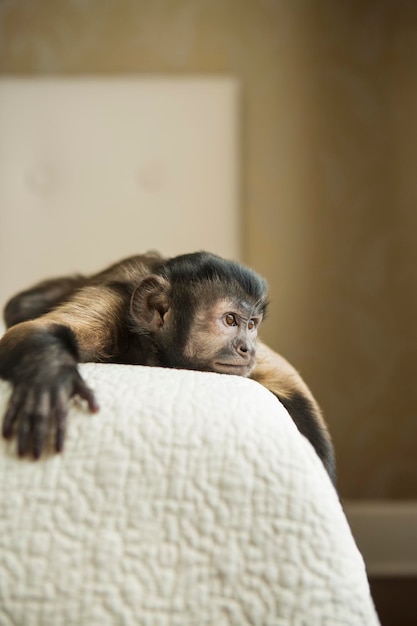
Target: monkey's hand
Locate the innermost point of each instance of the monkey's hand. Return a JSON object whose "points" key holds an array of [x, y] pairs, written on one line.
{"points": [[41, 364]]}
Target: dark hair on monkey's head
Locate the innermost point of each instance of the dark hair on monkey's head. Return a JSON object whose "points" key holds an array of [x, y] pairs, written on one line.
{"points": [[207, 275]]}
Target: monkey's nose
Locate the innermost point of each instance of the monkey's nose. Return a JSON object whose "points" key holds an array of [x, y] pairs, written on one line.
{"points": [[243, 349]]}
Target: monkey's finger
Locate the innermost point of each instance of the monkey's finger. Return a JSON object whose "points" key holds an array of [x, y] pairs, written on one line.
{"points": [[23, 434], [86, 393], [40, 423], [60, 417], [60, 429], [26, 417], [11, 415]]}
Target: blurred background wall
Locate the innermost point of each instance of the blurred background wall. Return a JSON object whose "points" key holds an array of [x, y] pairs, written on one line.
{"points": [[329, 191]]}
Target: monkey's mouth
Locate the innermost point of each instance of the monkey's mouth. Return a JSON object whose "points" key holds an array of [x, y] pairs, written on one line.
{"points": [[233, 368]]}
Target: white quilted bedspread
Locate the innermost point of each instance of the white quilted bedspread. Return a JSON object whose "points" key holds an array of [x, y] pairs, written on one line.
{"points": [[190, 499]]}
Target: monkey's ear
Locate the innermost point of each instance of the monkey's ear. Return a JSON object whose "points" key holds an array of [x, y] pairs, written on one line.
{"points": [[150, 302]]}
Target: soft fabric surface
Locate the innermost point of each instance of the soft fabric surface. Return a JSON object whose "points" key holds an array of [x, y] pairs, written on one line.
{"points": [[190, 499]]}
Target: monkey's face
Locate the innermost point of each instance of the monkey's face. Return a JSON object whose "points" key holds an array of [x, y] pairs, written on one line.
{"points": [[222, 338], [209, 324]]}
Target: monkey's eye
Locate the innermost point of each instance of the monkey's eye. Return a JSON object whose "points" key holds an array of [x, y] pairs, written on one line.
{"points": [[230, 319], [252, 324]]}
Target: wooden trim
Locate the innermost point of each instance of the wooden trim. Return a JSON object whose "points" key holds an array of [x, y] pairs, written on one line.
{"points": [[386, 534]]}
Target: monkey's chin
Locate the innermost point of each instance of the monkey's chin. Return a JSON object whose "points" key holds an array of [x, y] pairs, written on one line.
{"points": [[233, 368]]}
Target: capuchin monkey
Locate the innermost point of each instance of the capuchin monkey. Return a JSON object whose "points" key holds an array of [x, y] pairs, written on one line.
{"points": [[194, 311]]}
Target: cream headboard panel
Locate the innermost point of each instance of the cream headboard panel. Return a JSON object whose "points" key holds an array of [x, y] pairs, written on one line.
{"points": [[96, 169]]}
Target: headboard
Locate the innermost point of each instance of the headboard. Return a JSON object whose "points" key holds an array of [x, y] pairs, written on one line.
{"points": [[95, 169]]}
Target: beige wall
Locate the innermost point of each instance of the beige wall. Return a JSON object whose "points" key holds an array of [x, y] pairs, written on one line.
{"points": [[329, 189]]}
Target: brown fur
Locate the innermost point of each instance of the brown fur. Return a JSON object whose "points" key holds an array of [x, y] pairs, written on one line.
{"points": [[92, 314]]}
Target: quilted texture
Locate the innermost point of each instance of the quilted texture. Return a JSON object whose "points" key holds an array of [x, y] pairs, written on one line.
{"points": [[190, 499]]}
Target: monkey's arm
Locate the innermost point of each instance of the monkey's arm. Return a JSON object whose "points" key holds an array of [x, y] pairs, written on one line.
{"points": [[40, 357], [280, 377], [40, 299], [46, 295]]}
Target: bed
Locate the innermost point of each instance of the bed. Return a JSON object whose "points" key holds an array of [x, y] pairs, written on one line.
{"points": [[190, 499]]}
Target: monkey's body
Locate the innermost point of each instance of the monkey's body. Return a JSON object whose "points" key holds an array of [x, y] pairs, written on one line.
{"points": [[194, 311]]}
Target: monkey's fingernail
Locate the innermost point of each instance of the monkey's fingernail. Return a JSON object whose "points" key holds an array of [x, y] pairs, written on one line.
{"points": [[91, 401]]}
